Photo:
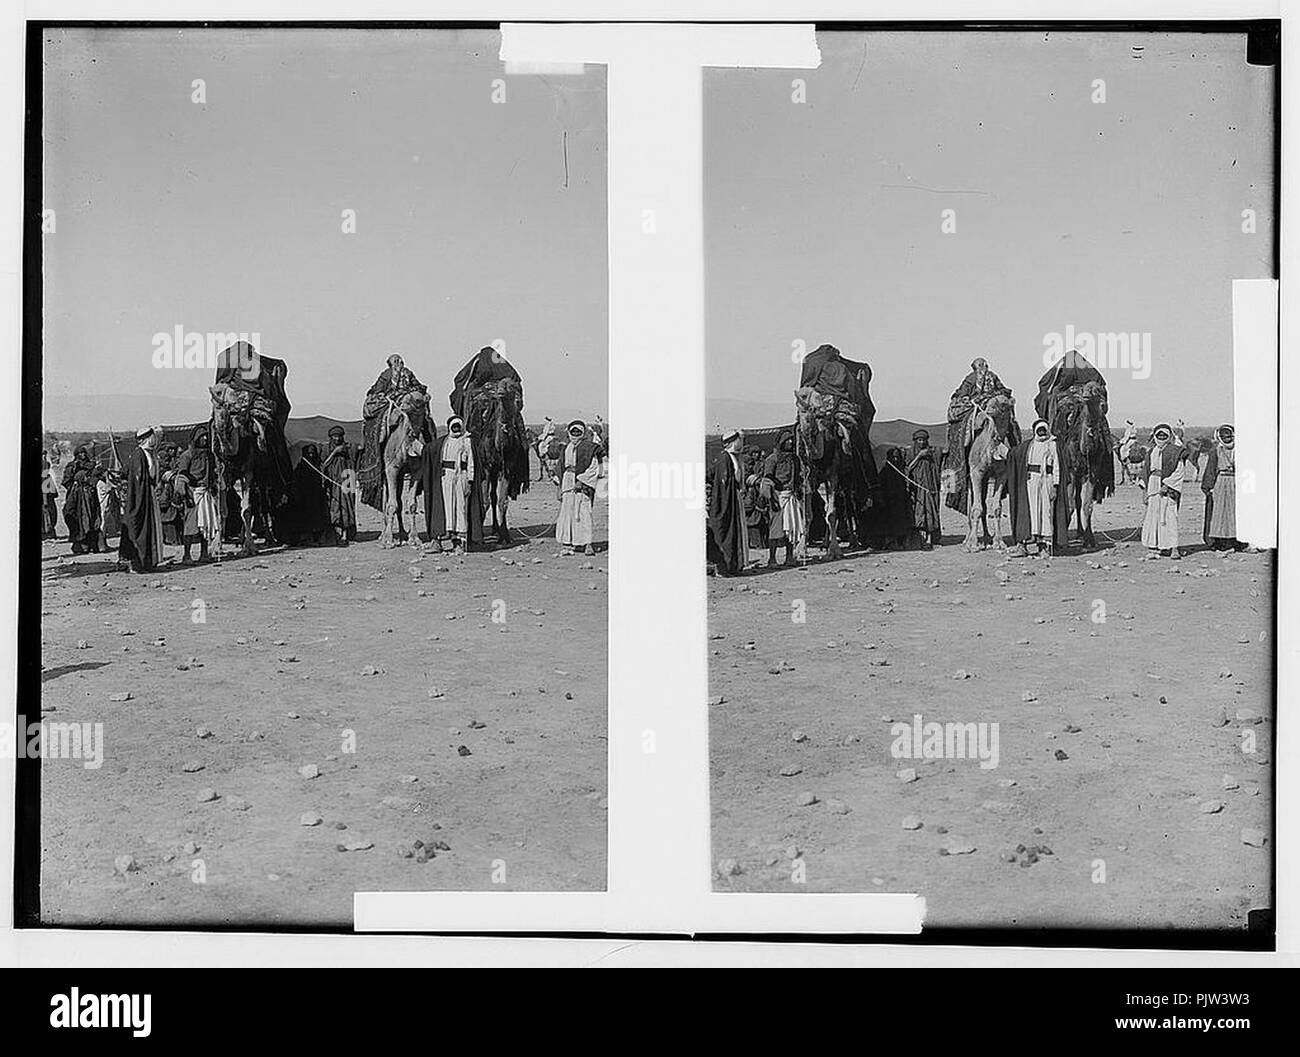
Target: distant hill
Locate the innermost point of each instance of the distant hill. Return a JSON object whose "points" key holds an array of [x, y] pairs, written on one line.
{"points": [[125, 413]]}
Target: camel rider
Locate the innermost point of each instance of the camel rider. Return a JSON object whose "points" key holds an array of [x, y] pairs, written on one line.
{"points": [[457, 480], [975, 391], [393, 383]]}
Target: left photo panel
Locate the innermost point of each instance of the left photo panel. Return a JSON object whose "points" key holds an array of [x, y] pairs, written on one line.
{"points": [[317, 397]]}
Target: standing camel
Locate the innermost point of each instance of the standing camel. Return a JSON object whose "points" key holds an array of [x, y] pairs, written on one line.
{"points": [[243, 464], [406, 421], [821, 443], [496, 423], [1088, 461], [993, 434]]}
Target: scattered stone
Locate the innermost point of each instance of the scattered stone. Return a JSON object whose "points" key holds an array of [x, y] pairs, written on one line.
{"points": [[1211, 807], [203, 732], [238, 803], [798, 736], [357, 845], [1061, 754], [125, 864], [790, 770], [805, 800], [192, 766], [729, 868], [956, 846], [309, 771], [190, 848], [837, 807], [1253, 837], [309, 818], [907, 774], [463, 750], [1028, 696], [124, 695], [205, 795], [1229, 782], [961, 673]]}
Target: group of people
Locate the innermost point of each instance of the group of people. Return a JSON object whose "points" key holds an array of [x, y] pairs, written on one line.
{"points": [[163, 494], [755, 500]]}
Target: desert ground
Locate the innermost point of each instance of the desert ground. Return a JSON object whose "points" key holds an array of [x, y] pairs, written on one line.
{"points": [[1122, 795], [334, 707]]}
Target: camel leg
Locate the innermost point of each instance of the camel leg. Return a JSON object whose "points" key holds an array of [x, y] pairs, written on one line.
{"points": [[801, 544], [1000, 491], [503, 501], [832, 523], [1085, 513], [974, 511], [390, 507], [245, 492]]}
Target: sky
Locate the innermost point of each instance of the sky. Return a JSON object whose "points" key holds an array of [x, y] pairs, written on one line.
{"points": [[823, 219], [476, 221]]}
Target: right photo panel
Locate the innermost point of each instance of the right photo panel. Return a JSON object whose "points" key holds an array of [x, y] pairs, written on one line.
{"points": [[982, 624]]}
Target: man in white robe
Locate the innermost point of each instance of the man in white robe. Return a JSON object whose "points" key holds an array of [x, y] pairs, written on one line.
{"points": [[579, 472], [457, 479], [1043, 478], [1162, 480]]}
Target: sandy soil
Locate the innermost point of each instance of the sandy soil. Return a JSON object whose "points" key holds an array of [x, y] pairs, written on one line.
{"points": [[1144, 708], [489, 737]]}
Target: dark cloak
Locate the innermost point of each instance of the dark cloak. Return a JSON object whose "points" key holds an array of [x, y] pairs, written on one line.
{"points": [[891, 515], [136, 544], [487, 365], [924, 489], [1061, 377], [306, 515], [268, 384], [429, 482], [830, 373], [340, 501], [1018, 500], [726, 542]]}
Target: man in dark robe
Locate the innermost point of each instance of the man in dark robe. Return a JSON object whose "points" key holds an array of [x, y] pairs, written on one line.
{"points": [[339, 469], [304, 520], [81, 501], [1022, 529], [976, 390], [727, 531], [922, 470], [141, 540], [782, 487]]}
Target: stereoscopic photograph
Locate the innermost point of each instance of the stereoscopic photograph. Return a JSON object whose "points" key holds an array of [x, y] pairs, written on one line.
{"points": [[982, 624], [323, 375]]}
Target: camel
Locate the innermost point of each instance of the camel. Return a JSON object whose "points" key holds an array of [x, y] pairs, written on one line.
{"points": [[822, 444], [242, 464], [1087, 460], [407, 416], [495, 421], [993, 433]]}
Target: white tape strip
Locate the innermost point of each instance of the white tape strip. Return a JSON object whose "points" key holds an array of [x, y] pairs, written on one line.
{"points": [[1255, 408]]}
